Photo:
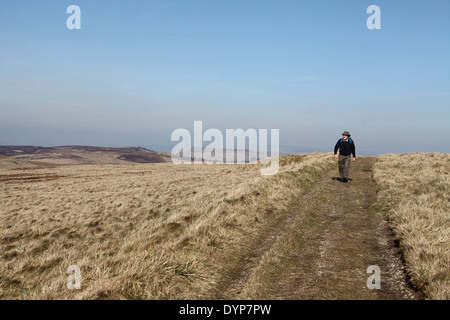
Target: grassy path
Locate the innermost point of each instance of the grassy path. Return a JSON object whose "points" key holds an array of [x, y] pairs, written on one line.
{"points": [[323, 247]]}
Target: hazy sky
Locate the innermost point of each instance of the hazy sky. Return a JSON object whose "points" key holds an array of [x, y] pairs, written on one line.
{"points": [[137, 70]]}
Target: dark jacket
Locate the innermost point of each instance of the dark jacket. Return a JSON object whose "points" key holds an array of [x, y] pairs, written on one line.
{"points": [[345, 147]]}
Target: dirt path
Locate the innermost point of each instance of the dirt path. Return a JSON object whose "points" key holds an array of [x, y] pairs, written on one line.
{"points": [[346, 237]]}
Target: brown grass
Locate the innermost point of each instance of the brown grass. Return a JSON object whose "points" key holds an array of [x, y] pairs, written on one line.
{"points": [[9, 163], [144, 231], [414, 191]]}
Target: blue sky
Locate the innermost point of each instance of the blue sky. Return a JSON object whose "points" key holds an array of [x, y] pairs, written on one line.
{"points": [[137, 70]]}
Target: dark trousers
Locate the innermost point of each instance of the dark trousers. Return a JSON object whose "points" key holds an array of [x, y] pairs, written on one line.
{"points": [[344, 165]]}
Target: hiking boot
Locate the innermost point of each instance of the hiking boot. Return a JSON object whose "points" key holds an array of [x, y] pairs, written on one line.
{"points": [[345, 180]]}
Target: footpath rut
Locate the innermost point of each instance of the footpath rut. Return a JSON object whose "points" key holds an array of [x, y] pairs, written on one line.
{"points": [[348, 235]]}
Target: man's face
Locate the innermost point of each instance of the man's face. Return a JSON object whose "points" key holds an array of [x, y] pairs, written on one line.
{"points": [[345, 137]]}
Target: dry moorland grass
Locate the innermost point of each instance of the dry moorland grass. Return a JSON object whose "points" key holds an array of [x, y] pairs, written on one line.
{"points": [[414, 191], [145, 231], [13, 163]]}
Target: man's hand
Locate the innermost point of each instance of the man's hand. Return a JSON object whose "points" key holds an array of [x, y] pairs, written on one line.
{"points": [[354, 159], [335, 156]]}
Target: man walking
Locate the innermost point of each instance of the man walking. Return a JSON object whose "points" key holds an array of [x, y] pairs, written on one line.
{"points": [[346, 148]]}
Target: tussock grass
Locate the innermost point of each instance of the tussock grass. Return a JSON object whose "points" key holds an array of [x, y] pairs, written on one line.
{"points": [[145, 231], [414, 190]]}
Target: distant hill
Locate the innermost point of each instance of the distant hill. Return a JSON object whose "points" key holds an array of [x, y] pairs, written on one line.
{"points": [[13, 163], [67, 155]]}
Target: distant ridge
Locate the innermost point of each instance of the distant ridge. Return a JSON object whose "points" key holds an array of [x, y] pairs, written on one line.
{"points": [[67, 155]]}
